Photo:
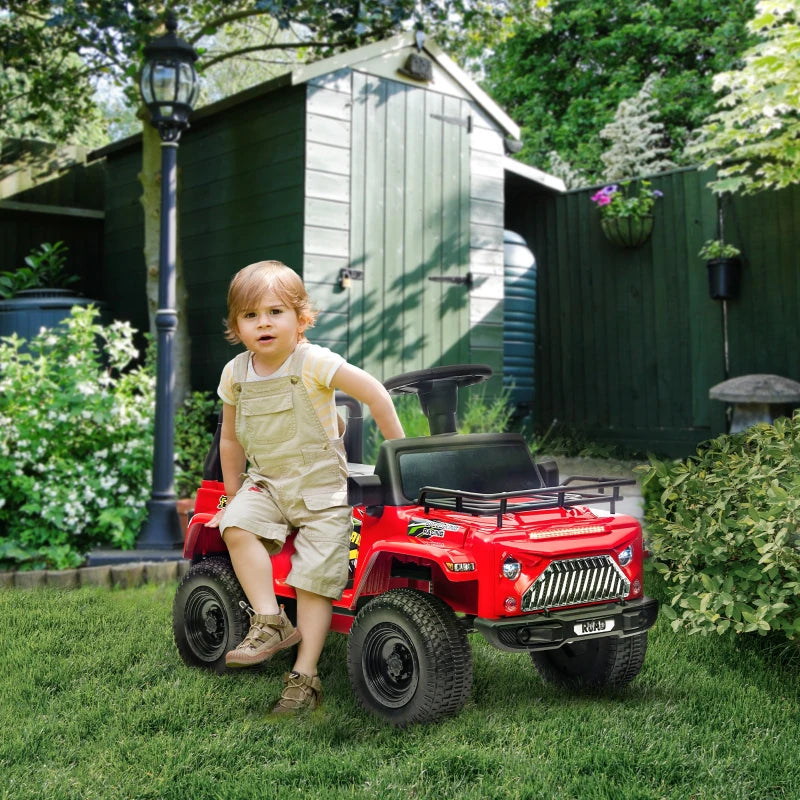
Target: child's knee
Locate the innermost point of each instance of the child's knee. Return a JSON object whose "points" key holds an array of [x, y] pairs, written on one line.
{"points": [[237, 536]]}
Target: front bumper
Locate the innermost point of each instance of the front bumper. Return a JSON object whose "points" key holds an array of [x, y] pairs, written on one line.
{"points": [[547, 631]]}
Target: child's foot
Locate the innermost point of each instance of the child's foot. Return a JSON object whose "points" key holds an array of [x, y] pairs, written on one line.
{"points": [[268, 634], [299, 692]]}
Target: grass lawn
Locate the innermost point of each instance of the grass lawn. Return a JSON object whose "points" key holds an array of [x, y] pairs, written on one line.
{"points": [[95, 703]]}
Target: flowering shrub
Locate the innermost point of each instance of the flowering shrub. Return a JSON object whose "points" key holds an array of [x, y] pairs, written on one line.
{"points": [[76, 442], [614, 201]]}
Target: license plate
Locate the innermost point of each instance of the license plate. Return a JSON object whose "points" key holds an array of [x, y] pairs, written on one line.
{"points": [[593, 626]]}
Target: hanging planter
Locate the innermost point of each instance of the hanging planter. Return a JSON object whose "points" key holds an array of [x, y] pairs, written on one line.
{"points": [[724, 269], [627, 231], [724, 275], [626, 220]]}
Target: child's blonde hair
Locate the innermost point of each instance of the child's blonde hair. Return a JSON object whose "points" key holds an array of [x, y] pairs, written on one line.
{"points": [[249, 285]]}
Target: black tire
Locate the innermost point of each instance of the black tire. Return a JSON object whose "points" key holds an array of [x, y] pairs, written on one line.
{"points": [[207, 620], [409, 658], [608, 662]]}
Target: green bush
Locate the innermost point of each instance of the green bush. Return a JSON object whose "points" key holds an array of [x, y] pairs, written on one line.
{"points": [[76, 442], [195, 424], [723, 530], [481, 415]]}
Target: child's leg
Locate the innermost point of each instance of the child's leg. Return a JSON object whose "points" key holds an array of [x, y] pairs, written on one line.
{"points": [[301, 687], [253, 568], [270, 628], [314, 623]]}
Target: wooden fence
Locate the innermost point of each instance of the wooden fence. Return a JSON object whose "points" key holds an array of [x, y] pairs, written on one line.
{"points": [[629, 341]]}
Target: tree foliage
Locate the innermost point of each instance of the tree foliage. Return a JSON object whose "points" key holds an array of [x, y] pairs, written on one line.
{"points": [[563, 80], [635, 135], [754, 136], [51, 51]]}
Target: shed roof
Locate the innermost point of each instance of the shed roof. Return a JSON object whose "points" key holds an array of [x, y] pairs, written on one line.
{"points": [[386, 53], [528, 173]]}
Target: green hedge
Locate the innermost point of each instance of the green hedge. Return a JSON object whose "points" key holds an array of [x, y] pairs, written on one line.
{"points": [[723, 531]]}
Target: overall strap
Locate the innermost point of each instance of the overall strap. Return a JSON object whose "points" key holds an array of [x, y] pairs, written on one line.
{"points": [[240, 364], [298, 359]]}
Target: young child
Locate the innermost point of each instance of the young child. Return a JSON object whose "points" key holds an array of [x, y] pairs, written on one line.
{"points": [[279, 419]]}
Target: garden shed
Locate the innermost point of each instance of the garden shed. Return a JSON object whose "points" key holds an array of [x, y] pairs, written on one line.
{"points": [[378, 174]]}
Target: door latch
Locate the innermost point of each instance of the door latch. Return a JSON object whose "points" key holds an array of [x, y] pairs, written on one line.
{"points": [[460, 280]]}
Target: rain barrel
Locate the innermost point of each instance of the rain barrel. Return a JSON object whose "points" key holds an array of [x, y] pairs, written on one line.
{"points": [[519, 320], [32, 309]]}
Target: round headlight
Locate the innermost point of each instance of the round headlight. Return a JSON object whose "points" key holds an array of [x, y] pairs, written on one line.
{"points": [[511, 568], [626, 556]]}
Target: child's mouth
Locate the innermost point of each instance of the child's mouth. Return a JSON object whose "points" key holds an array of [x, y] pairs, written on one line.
{"points": [[265, 338]]}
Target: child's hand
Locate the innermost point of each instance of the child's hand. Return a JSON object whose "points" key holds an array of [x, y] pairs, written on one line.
{"points": [[216, 519]]}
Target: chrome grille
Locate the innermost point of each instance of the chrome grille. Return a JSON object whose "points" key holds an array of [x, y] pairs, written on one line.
{"points": [[576, 581]]}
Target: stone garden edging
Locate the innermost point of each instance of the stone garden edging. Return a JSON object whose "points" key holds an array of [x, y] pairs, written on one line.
{"points": [[122, 576]]}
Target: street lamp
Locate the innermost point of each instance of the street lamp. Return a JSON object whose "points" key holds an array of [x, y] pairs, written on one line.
{"points": [[168, 83]]}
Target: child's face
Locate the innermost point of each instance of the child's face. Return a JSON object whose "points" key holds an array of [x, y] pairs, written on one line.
{"points": [[271, 332]]}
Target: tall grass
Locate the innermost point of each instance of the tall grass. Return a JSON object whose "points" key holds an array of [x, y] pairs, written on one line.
{"points": [[95, 703]]}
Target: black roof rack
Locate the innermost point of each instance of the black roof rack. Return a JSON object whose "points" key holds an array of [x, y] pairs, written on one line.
{"points": [[587, 490]]}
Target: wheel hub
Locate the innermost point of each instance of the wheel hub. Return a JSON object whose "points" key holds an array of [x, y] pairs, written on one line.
{"points": [[390, 665], [212, 619], [205, 623], [399, 664]]}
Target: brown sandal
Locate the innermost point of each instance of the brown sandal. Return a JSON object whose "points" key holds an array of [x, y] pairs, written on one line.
{"points": [[299, 692], [268, 634]]}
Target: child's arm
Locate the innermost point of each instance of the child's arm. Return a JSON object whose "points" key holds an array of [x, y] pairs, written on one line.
{"points": [[371, 393], [232, 458]]}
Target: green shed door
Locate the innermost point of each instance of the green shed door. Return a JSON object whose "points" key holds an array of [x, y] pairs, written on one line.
{"points": [[409, 225]]}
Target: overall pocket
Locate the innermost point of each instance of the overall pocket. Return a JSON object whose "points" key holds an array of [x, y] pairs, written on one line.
{"points": [[267, 419]]}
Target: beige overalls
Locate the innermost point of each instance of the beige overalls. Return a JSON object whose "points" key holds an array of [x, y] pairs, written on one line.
{"points": [[297, 478]]}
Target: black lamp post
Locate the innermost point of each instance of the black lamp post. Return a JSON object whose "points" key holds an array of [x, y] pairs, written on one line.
{"points": [[168, 84]]}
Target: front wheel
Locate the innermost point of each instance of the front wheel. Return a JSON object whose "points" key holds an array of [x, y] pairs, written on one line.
{"points": [[409, 659], [607, 662], [207, 620]]}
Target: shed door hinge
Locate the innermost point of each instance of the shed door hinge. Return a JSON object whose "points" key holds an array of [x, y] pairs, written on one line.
{"points": [[463, 123]]}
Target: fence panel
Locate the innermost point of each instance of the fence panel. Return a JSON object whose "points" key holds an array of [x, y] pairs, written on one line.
{"points": [[629, 341]]}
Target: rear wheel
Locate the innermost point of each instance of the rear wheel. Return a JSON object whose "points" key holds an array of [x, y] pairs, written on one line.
{"points": [[409, 659], [207, 620], [607, 662]]}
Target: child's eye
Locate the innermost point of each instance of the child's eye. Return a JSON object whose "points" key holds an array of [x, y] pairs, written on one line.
{"points": [[249, 314], [276, 311]]}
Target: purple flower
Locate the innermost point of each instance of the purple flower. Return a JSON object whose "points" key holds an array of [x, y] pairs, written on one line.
{"points": [[604, 196], [657, 193]]}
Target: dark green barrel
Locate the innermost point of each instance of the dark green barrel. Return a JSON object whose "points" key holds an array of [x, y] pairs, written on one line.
{"points": [[32, 309], [519, 321]]}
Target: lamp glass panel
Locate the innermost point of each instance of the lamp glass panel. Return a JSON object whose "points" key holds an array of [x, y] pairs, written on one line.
{"points": [[144, 83], [164, 83], [186, 83]]}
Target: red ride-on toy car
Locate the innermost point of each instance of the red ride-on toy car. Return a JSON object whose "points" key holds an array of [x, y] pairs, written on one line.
{"points": [[452, 534]]}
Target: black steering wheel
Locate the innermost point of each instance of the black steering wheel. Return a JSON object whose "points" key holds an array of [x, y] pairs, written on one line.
{"points": [[421, 379], [437, 389]]}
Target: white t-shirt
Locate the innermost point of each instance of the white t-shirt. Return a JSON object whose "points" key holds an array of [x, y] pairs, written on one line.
{"points": [[319, 367]]}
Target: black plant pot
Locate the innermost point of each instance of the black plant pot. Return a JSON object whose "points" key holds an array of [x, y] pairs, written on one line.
{"points": [[724, 276]]}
